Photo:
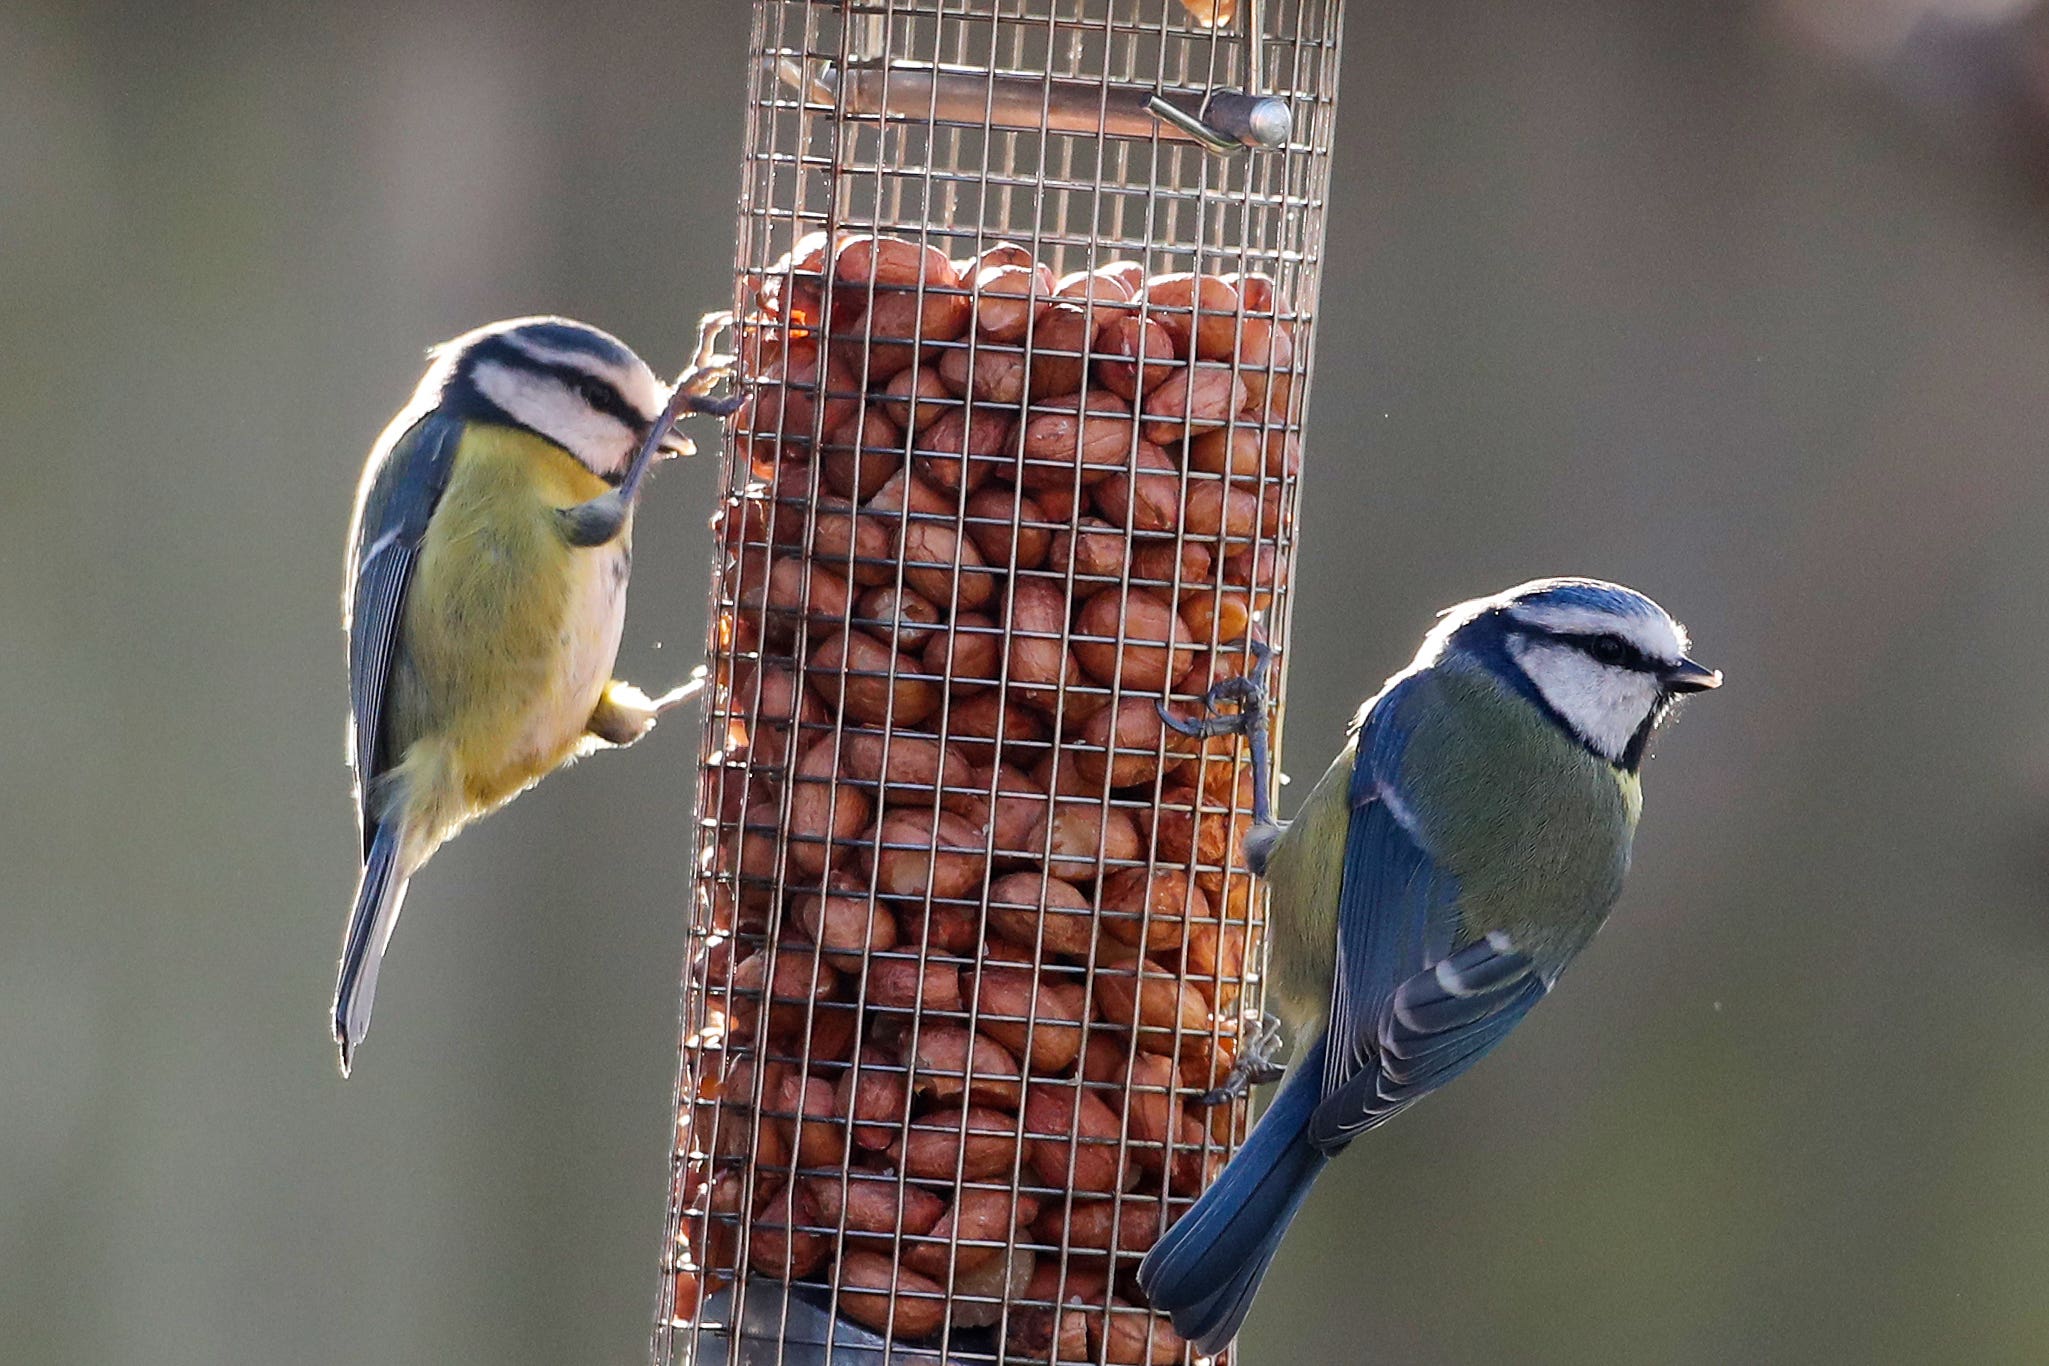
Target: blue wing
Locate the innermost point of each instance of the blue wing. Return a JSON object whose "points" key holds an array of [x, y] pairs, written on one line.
{"points": [[1411, 1008], [399, 497], [1441, 1021], [1395, 902]]}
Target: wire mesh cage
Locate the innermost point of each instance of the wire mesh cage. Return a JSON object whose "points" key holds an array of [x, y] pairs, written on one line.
{"points": [[1026, 297]]}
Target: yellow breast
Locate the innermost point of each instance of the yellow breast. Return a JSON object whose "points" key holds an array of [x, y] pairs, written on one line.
{"points": [[1632, 794], [510, 633]]}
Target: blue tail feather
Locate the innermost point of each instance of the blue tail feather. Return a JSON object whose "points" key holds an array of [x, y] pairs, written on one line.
{"points": [[378, 897], [1206, 1270]]}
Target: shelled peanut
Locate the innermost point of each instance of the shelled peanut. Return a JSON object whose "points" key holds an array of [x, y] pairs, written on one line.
{"points": [[974, 920]]}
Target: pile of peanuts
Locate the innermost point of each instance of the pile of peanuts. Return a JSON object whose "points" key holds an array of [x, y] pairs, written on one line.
{"points": [[972, 925]]}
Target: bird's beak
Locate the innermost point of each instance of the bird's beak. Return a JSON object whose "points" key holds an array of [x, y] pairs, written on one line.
{"points": [[1687, 676]]}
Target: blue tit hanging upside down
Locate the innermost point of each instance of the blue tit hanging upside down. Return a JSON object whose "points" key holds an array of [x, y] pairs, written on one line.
{"points": [[1461, 850], [487, 589]]}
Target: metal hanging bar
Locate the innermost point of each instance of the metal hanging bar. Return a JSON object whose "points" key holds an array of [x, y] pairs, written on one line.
{"points": [[1221, 120]]}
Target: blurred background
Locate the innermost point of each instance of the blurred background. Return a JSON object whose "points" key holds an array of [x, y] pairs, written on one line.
{"points": [[1744, 304]]}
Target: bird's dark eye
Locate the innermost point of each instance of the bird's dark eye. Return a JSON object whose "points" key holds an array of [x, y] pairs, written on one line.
{"points": [[1608, 649], [588, 391]]}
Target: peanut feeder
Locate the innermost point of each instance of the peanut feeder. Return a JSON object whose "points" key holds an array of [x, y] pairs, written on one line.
{"points": [[1026, 298]]}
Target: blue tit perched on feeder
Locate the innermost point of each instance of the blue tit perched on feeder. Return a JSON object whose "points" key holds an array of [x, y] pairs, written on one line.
{"points": [[486, 592], [1464, 846]]}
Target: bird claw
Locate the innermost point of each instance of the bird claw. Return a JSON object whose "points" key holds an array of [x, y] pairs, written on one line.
{"points": [[710, 368], [691, 394], [686, 691], [1247, 693], [1258, 1063]]}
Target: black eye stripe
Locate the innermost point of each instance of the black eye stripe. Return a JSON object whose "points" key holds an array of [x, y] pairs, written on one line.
{"points": [[600, 393], [1607, 648], [594, 389]]}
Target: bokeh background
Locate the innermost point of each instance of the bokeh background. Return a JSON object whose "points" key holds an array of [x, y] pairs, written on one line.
{"points": [[1746, 304]]}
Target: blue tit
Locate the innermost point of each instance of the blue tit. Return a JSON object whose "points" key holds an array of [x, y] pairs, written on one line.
{"points": [[486, 591], [1465, 845]]}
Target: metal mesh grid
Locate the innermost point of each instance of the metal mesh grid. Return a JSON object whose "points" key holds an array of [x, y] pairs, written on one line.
{"points": [[969, 931]]}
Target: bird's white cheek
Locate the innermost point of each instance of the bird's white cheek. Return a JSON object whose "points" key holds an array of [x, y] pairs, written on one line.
{"points": [[601, 442], [1605, 705]]}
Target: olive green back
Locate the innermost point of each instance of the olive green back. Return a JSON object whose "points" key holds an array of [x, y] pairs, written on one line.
{"points": [[1535, 828]]}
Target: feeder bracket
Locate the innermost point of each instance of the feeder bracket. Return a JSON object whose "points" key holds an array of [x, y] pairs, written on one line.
{"points": [[1221, 120]]}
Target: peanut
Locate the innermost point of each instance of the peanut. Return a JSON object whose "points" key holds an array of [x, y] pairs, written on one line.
{"points": [[949, 1061], [915, 399], [982, 1219], [1105, 296], [825, 816], [803, 1106], [1138, 994], [1037, 619], [982, 1293], [1144, 496], [1223, 510], [1121, 743], [970, 655], [919, 854], [779, 708], [1135, 356], [1038, 1020], [1132, 640], [992, 513], [874, 1097], [1008, 297], [1129, 1336], [974, 1143], [784, 410], [797, 980], [893, 1300], [1199, 311], [1191, 400], [1128, 1227], [986, 727], [1162, 563], [845, 924], [1217, 617], [1092, 548], [902, 984], [874, 1205], [849, 542], [1159, 1131], [898, 616], [1012, 815], [789, 1238], [1088, 438], [1084, 832], [888, 296], [909, 769], [1073, 1138], [859, 455], [987, 374], [1057, 917], [1149, 907], [1059, 342], [852, 670], [964, 447]]}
